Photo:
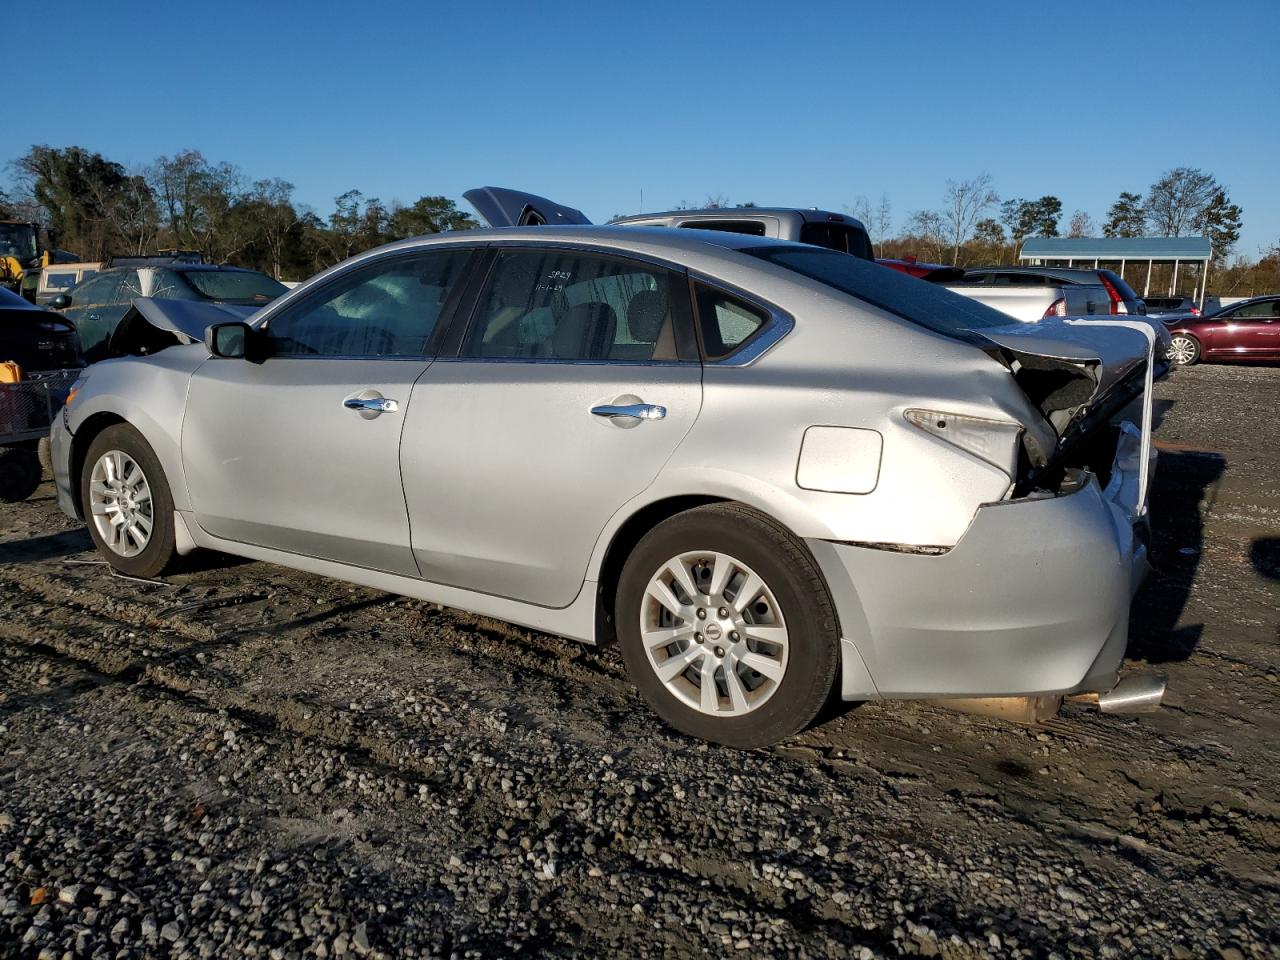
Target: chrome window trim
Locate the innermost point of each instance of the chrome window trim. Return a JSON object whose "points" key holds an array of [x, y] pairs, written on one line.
{"points": [[564, 362], [779, 324]]}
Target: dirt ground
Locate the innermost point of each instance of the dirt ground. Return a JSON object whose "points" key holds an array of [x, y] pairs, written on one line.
{"points": [[249, 761]]}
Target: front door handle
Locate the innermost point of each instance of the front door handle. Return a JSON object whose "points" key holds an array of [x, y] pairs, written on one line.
{"points": [[371, 404], [638, 411]]}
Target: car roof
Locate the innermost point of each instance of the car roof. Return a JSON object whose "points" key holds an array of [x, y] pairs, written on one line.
{"points": [[746, 213], [614, 236], [179, 267], [1065, 273]]}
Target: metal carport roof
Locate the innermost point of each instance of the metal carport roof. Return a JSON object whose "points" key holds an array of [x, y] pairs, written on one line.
{"points": [[1116, 248]]}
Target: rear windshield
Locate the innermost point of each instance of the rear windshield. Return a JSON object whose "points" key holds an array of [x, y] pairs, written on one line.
{"points": [[838, 236], [246, 286], [915, 301]]}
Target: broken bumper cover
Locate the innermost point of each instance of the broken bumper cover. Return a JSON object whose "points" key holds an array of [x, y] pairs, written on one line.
{"points": [[1033, 600]]}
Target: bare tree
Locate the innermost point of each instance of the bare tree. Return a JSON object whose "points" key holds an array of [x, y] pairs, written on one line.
{"points": [[276, 217], [1081, 225], [1177, 201], [929, 230], [967, 200], [877, 219]]}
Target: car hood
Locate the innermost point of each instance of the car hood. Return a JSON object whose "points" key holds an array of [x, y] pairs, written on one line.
{"points": [[189, 318], [501, 207]]}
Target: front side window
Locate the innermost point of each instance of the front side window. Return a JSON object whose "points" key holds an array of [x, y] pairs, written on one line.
{"points": [[563, 305], [386, 309], [726, 322], [1255, 311], [753, 228]]}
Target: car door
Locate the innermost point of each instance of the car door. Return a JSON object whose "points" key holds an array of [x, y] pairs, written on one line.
{"points": [[300, 452], [566, 395], [1246, 331], [97, 305]]}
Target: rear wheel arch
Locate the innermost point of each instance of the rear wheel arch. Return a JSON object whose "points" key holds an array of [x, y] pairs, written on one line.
{"points": [[629, 534], [621, 544]]}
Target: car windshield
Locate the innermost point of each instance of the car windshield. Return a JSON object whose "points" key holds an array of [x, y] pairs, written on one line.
{"points": [[17, 240], [915, 301], [245, 286]]}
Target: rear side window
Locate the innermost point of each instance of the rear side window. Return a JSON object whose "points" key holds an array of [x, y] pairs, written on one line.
{"points": [[564, 305], [726, 322], [838, 236], [751, 227], [924, 304]]}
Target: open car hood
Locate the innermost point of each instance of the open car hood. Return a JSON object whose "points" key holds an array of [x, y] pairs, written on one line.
{"points": [[501, 207], [189, 318]]}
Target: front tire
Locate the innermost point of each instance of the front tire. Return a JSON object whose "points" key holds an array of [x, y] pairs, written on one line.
{"points": [[727, 627], [1184, 349], [127, 503]]}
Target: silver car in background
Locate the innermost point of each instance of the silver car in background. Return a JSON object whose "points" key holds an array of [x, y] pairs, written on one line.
{"points": [[771, 472]]}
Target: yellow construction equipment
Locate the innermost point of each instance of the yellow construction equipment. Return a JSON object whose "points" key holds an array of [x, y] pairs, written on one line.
{"points": [[21, 258]]}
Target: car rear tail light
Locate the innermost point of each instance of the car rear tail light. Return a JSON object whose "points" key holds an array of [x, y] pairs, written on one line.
{"points": [[1117, 301], [993, 441], [1195, 311], [1057, 309]]}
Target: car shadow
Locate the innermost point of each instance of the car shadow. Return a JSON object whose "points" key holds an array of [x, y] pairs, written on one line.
{"points": [[1264, 554], [1159, 408], [1184, 489], [50, 546]]}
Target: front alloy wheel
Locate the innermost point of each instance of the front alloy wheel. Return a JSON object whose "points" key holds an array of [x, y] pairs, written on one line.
{"points": [[121, 505], [126, 500], [714, 633]]}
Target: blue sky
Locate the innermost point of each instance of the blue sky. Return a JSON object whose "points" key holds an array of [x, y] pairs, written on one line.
{"points": [[807, 104]]}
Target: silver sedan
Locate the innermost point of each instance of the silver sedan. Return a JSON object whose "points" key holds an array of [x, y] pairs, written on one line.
{"points": [[773, 473]]}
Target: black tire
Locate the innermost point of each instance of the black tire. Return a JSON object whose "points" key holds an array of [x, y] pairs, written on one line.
{"points": [[19, 473], [159, 551], [45, 452], [1192, 343], [785, 565]]}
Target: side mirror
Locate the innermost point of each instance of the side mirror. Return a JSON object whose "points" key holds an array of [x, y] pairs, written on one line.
{"points": [[61, 301], [229, 340]]}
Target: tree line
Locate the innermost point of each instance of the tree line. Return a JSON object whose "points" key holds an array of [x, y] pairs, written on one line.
{"points": [[96, 207]]}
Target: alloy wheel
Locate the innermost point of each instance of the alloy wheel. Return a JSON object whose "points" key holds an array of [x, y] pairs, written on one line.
{"points": [[1182, 350], [120, 501], [714, 634]]}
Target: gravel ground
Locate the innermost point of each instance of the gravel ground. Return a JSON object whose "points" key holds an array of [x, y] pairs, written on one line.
{"points": [[249, 761]]}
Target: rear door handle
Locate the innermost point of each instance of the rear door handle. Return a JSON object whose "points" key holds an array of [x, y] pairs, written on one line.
{"points": [[638, 411]]}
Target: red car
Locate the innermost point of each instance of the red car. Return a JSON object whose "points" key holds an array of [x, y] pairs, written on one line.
{"points": [[933, 272], [1245, 331]]}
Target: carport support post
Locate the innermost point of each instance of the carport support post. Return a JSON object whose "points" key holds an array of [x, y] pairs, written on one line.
{"points": [[1174, 282], [1122, 269], [1147, 289], [1204, 282]]}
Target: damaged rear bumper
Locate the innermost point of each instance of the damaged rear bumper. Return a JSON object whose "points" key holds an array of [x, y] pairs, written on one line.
{"points": [[1033, 600]]}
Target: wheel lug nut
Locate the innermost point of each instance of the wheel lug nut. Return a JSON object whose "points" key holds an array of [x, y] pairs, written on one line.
{"points": [[719, 651], [723, 613], [697, 637], [702, 613], [734, 636]]}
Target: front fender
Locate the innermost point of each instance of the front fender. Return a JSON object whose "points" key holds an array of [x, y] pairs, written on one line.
{"points": [[150, 394]]}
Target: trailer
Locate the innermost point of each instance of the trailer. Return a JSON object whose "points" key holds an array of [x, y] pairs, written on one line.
{"points": [[27, 411]]}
